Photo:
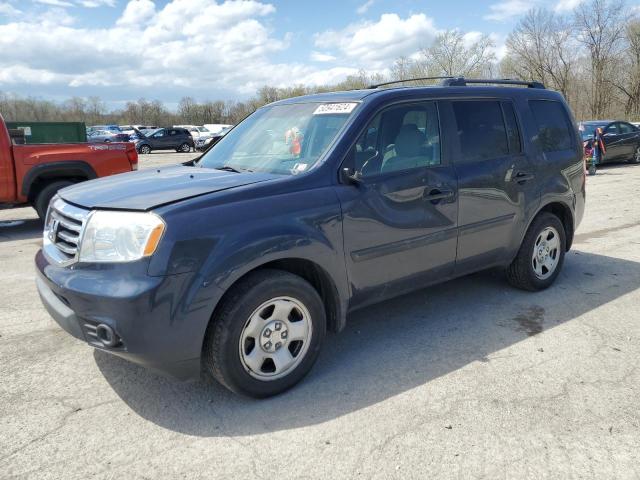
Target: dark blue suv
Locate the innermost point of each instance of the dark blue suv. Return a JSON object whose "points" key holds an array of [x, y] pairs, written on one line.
{"points": [[238, 263]]}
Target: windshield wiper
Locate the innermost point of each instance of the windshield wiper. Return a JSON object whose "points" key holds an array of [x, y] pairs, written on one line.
{"points": [[229, 168]]}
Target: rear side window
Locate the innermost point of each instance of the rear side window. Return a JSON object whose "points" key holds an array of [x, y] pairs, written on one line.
{"points": [[554, 131], [481, 130]]}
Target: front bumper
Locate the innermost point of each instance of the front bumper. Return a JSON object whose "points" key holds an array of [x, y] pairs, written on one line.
{"points": [[159, 322]]}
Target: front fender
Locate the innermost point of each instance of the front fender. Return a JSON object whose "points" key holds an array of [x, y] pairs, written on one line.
{"points": [[222, 243]]}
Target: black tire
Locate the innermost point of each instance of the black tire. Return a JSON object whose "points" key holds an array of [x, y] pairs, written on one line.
{"points": [[221, 350], [521, 273], [636, 156], [592, 170], [184, 148], [144, 149], [45, 195]]}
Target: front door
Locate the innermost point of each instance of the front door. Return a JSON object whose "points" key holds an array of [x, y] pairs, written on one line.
{"points": [[400, 218], [495, 181], [160, 139]]}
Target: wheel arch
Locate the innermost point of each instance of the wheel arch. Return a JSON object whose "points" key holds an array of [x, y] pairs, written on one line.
{"points": [[41, 175], [564, 213], [312, 272]]}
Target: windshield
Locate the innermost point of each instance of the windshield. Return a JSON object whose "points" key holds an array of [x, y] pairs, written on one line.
{"points": [[281, 139], [588, 129]]}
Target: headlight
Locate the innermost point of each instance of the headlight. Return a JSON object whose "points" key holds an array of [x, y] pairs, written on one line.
{"points": [[120, 236]]}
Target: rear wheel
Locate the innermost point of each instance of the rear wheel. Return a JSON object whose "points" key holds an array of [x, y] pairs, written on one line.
{"points": [[541, 254], [43, 198], [266, 335], [636, 156]]}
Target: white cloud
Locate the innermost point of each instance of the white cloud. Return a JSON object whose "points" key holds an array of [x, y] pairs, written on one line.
{"points": [[8, 10], [97, 3], [508, 9], [567, 5], [322, 57], [362, 9], [214, 46], [137, 12], [376, 44], [55, 3]]}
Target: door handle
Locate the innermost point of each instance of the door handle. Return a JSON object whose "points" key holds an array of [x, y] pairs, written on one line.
{"points": [[435, 195], [522, 177]]}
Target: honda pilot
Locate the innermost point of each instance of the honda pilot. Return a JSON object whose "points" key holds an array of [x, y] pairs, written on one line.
{"points": [[237, 264]]}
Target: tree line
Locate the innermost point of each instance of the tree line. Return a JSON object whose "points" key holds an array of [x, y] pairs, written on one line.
{"points": [[591, 55]]}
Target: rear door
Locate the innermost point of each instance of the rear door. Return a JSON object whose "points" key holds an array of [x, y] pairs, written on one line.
{"points": [[399, 221], [495, 181], [613, 141], [628, 139]]}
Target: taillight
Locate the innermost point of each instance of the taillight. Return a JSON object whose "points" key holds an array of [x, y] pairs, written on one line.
{"points": [[132, 155]]}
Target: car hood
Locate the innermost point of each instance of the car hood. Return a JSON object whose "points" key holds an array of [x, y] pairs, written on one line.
{"points": [[149, 188]]}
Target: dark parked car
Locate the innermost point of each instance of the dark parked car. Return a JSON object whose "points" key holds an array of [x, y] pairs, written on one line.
{"points": [[312, 207], [621, 139], [178, 139]]}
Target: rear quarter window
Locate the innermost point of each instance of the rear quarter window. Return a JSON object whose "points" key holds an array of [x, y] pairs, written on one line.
{"points": [[554, 127]]}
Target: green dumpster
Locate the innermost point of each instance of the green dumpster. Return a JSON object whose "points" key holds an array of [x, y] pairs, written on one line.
{"points": [[51, 132]]}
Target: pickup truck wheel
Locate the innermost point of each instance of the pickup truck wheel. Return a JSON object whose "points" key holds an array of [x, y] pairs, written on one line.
{"points": [[145, 149], [185, 148], [43, 198], [541, 254], [266, 334]]}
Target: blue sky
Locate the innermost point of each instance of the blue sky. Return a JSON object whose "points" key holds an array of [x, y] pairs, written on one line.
{"points": [[127, 49]]}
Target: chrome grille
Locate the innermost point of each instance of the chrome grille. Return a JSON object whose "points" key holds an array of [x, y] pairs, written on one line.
{"points": [[62, 231]]}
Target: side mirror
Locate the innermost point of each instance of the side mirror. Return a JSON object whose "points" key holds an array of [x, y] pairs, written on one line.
{"points": [[350, 176]]}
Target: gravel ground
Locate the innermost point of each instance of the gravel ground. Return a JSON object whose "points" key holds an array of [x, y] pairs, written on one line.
{"points": [[469, 379]]}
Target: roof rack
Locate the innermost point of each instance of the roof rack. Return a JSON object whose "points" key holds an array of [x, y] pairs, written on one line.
{"points": [[462, 82], [408, 80]]}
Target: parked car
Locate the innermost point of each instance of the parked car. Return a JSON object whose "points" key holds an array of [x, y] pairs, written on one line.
{"points": [[196, 131], [621, 139], [106, 136], [110, 128], [217, 127], [178, 139], [32, 174], [309, 209], [203, 144]]}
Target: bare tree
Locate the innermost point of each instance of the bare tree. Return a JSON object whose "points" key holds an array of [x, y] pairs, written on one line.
{"points": [[600, 26], [626, 78], [453, 53]]}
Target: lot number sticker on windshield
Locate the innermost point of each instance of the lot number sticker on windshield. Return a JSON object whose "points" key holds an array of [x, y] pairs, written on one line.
{"points": [[341, 108]]}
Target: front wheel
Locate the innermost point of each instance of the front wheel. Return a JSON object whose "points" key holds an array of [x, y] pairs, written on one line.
{"points": [[144, 149], [266, 335], [541, 254], [43, 198], [184, 148]]}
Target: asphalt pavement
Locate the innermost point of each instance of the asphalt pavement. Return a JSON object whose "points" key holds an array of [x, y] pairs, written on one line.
{"points": [[468, 379]]}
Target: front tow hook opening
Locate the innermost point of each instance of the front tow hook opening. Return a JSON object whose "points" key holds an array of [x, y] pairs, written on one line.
{"points": [[107, 336]]}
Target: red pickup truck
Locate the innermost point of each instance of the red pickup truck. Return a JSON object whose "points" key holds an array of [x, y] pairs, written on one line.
{"points": [[32, 174]]}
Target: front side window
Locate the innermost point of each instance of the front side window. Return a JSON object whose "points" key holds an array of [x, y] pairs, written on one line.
{"points": [[281, 139], [159, 134], [481, 130], [554, 131], [400, 138]]}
